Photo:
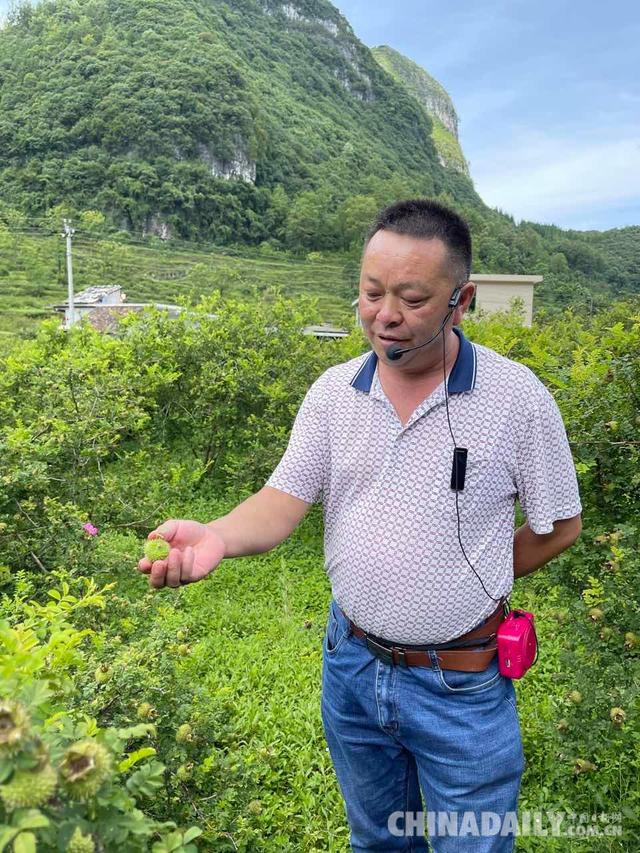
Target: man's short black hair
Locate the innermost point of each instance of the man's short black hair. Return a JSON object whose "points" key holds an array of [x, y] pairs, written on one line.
{"points": [[421, 217]]}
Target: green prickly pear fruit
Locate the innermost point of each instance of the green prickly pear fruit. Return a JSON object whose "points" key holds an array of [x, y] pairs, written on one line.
{"points": [[184, 733], [618, 716], [79, 843], [102, 674], [145, 710], [583, 766], [156, 549], [29, 789], [14, 727], [85, 766]]}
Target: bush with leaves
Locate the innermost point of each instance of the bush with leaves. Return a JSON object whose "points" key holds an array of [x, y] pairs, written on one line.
{"points": [[66, 783], [113, 429]]}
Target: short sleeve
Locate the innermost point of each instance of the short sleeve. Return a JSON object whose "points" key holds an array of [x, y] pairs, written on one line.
{"points": [[301, 471], [545, 474]]}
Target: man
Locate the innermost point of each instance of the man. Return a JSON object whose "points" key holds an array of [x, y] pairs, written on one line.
{"points": [[420, 550]]}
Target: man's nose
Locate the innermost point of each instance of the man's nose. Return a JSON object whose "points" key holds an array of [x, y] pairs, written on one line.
{"points": [[389, 310]]}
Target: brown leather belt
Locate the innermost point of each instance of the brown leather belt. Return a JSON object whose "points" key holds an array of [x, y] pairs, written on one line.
{"points": [[468, 659]]}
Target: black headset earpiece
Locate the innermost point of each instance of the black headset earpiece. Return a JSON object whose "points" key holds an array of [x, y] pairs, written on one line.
{"points": [[455, 297]]}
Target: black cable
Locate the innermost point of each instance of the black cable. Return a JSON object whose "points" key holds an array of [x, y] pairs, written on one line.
{"points": [[455, 445]]}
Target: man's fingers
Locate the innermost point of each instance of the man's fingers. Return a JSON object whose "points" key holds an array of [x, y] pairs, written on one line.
{"points": [[188, 559], [144, 566], [158, 574], [166, 531], [173, 568]]}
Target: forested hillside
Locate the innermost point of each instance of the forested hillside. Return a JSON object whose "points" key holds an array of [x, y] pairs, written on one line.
{"points": [[582, 271], [434, 98], [239, 121]]}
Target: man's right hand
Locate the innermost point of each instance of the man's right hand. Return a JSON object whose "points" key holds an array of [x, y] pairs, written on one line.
{"points": [[196, 550]]}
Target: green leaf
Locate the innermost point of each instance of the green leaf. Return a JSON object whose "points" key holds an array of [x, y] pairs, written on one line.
{"points": [[30, 819], [190, 834], [134, 757], [7, 834], [147, 780], [135, 732], [26, 761], [25, 843], [36, 693], [174, 841]]}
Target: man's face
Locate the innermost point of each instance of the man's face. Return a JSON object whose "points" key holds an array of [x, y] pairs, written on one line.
{"points": [[405, 286]]}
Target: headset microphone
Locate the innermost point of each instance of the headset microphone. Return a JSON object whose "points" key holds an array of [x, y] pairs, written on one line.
{"points": [[395, 352]]}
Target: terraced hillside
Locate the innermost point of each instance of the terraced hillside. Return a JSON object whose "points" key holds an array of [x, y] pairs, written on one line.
{"points": [[33, 276]]}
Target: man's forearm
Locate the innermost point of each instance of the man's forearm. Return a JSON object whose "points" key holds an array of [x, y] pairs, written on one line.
{"points": [[532, 550], [260, 523]]}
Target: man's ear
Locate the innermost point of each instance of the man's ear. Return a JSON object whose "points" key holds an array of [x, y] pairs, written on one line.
{"points": [[466, 295]]}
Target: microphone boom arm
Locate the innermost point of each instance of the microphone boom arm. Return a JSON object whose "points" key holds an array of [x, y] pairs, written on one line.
{"points": [[395, 352]]}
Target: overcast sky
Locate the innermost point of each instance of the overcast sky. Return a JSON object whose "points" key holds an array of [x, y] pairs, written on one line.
{"points": [[548, 95]]}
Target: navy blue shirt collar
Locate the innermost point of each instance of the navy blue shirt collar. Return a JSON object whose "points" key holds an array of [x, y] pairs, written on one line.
{"points": [[462, 377]]}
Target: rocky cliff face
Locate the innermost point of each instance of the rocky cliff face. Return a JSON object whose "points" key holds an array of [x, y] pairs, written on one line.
{"points": [[323, 22], [240, 166], [435, 100]]}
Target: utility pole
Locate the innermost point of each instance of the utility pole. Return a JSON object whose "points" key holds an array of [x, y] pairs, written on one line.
{"points": [[68, 233]]}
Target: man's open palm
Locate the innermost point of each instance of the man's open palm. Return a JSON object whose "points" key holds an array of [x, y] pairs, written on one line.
{"points": [[196, 550]]}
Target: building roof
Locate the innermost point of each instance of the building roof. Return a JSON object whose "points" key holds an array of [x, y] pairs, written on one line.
{"points": [[94, 294], [496, 278], [325, 330], [95, 306]]}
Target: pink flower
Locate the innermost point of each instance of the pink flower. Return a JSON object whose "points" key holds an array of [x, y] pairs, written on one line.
{"points": [[90, 529]]}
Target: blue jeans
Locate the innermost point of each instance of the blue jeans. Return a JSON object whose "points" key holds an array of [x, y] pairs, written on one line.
{"points": [[396, 733]]}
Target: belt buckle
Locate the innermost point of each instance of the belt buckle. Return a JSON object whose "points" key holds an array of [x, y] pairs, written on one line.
{"points": [[390, 656], [402, 658]]}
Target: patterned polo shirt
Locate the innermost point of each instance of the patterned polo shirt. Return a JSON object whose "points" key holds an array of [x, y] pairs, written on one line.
{"points": [[391, 538]]}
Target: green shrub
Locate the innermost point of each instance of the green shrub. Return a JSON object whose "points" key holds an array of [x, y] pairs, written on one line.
{"points": [[66, 783]]}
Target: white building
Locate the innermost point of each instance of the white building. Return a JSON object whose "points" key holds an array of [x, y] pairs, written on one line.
{"points": [[102, 304], [495, 292]]}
